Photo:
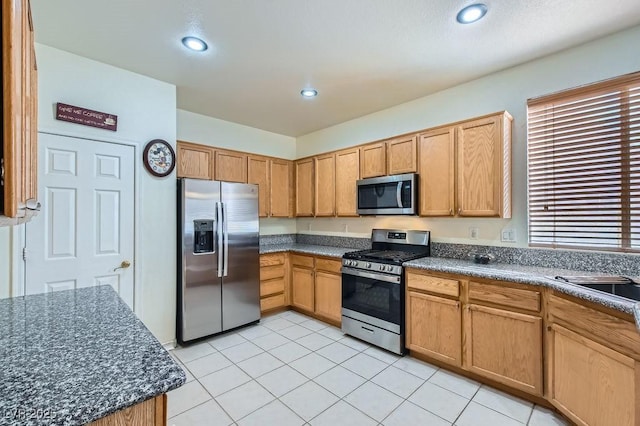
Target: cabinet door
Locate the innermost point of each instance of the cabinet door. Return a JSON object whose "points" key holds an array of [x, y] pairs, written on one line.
{"points": [[401, 155], [436, 168], [19, 149], [281, 188], [194, 161], [258, 173], [504, 346], [302, 288], [373, 160], [434, 327], [231, 166], [590, 383], [347, 174], [304, 187], [484, 167], [328, 293], [325, 185], [30, 109]]}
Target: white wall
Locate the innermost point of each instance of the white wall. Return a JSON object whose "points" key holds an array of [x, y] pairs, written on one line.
{"points": [[5, 262], [197, 128], [146, 110], [507, 90]]}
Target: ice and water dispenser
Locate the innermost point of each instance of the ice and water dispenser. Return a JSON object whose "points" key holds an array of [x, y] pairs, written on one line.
{"points": [[203, 238]]}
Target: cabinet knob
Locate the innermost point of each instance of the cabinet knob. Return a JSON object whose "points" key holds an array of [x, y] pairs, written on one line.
{"points": [[459, 210]]}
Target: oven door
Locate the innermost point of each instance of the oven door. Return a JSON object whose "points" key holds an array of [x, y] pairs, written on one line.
{"points": [[373, 295]]}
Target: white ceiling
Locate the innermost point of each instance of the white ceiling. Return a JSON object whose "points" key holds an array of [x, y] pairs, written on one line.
{"points": [[361, 55]]}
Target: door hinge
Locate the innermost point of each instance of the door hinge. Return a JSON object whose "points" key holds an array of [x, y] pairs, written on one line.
{"points": [[24, 253]]}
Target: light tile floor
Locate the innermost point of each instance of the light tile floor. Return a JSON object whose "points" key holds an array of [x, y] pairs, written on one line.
{"points": [[293, 370]]}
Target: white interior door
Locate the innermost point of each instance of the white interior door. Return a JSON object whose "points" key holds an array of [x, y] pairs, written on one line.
{"points": [[85, 229]]}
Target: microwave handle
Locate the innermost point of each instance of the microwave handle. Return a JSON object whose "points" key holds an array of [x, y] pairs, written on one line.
{"points": [[399, 195]]}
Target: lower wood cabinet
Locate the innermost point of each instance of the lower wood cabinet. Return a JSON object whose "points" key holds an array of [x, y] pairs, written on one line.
{"points": [[274, 288], [302, 288], [328, 295], [316, 286], [504, 346], [152, 412], [590, 383], [434, 327]]}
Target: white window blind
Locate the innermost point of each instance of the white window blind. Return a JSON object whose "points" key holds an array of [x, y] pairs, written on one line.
{"points": [[584, 167]]}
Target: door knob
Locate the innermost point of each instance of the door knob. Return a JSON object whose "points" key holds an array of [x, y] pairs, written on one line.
{"points": [[124, 265]]}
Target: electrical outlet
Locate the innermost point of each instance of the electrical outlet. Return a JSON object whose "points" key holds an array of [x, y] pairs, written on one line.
{"points": [[309, 226], [473, 233], [508, 235], [345, 227]]}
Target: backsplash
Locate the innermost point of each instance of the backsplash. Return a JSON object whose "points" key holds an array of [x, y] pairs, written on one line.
{"points": [[609, 263], [277, 239]]}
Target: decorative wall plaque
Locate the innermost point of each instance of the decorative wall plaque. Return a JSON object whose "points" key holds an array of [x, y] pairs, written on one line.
{"points": [[86, 117]]}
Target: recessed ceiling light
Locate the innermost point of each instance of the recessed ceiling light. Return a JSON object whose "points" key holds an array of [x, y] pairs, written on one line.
{"points": [[194, 43], [472, 13], [309, 93]]}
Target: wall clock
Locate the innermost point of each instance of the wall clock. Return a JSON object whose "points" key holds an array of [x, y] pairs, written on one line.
{"points": [[159, 158]]}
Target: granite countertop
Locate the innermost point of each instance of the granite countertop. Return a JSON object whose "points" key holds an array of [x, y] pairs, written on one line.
{"points": [[74, 356], [316, 250], [528, 275], [500, 271]]}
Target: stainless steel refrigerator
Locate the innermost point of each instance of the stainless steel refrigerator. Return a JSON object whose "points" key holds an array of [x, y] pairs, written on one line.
{"points": [[218, 257]]}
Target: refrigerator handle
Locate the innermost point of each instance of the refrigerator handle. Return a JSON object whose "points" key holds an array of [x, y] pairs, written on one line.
{"points": [[225, 238], [219, 232]]}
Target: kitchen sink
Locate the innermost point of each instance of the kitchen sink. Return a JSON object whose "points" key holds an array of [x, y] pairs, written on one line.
{"points": [[612, 284]]}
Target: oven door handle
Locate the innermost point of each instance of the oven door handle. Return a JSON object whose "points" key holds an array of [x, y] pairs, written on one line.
{"points": [[388, 278]]}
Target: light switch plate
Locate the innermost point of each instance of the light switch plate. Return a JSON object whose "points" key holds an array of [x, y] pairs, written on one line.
{"points": [[508, 235]]}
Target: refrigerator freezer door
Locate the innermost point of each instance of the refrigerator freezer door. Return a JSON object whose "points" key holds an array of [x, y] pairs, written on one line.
{"points": [[199, 290], [241, 281]]}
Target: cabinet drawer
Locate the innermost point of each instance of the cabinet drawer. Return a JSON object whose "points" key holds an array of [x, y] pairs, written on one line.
{"points": [[272, 259], [328, 265], [505, 296], [271, 286], [270, 272], [298, 260], [432, 284], [272, 302]]}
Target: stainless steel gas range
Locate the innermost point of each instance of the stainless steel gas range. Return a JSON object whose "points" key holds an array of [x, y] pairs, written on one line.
{"points": [[373, 286]]}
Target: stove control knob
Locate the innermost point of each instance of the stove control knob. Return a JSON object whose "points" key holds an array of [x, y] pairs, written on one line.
{"points": [[390, 268], [368, 265], [354, 263], [381, 267]]}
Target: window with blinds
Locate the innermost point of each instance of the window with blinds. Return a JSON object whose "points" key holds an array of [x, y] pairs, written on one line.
{"points": [[584, 167]]}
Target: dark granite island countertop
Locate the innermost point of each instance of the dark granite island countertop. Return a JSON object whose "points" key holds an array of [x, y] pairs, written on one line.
{"points": [[72, 357]]}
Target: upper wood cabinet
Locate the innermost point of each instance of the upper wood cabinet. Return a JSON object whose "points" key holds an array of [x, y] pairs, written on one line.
{"points": [[402, 155], [325, 185], [231, 166], [484, 167], [194, 161], [436, 153], [281, 188], [465, 169], [258, 173], [305, 183], [19, 108], [347, 175], [373, 160]]}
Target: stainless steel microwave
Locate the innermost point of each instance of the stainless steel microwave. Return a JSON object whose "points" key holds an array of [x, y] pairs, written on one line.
{"points": [[388, 195]]}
